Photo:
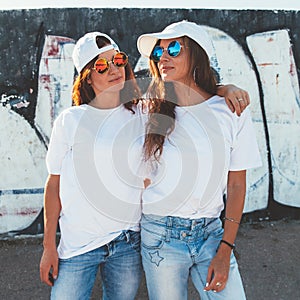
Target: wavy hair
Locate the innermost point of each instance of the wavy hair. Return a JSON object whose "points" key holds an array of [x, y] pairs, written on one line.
{"points": [[163, 99]]}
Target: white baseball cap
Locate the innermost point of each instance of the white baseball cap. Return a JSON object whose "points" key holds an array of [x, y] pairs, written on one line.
{"points": [[87, 49], [146, 42]]}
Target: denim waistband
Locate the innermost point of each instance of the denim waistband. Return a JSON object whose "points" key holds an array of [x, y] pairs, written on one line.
{"points": [[178, 222], [125, 235]]}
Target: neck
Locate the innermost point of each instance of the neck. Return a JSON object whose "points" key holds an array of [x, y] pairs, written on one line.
{"points": [[190, 94], [106, 100]]}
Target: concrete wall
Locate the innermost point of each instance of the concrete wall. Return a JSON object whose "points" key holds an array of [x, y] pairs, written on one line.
{"points": [[257, 50]]}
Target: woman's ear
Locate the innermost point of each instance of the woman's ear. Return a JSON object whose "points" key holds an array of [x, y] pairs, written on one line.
{"points": [[88, 79]]}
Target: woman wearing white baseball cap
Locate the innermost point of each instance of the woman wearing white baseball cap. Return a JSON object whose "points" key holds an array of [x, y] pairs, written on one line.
{"points": [[89, 190], [197, 150]]}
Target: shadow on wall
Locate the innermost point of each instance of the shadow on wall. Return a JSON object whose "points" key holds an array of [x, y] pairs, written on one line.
{"points": [[264, 65]]}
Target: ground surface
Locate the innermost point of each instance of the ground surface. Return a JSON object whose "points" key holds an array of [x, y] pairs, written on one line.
{"points": [[269, 263]]}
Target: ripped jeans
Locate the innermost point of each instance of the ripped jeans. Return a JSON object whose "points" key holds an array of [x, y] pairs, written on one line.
{"points": [[174, 248]]}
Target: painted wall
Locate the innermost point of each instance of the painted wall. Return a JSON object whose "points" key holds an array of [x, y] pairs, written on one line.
{"points": [[257, 50]]}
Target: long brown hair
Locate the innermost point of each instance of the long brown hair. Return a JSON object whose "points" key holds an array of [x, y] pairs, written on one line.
{"points": [[83, 92], [162, 111]]}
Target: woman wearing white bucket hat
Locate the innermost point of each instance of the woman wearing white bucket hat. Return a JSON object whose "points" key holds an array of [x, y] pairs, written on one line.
{"points": [[197, 150], [237, 99]]}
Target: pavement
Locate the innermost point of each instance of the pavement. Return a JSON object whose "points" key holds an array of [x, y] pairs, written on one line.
{"points": [[269, 261]]}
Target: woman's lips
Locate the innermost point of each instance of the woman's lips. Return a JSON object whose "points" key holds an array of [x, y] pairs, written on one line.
{"points": [[116, 79], [166, 68]]}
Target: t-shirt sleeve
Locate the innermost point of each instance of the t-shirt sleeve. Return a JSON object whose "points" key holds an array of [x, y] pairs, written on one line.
{"points": [[58, 147], [245, 152]]}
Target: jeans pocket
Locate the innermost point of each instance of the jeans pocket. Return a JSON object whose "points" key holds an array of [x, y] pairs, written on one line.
{"points": [[150, 240]]}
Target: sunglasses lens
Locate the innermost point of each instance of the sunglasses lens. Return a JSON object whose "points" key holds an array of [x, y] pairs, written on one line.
{"points": [[101, 65], [120, 59], [157, 53], [174, 48]]}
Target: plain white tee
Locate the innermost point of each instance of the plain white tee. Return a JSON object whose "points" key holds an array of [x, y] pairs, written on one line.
{"points": [[96, 152], [208, 141]]}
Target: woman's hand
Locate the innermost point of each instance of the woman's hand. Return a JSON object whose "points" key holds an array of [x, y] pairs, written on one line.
{"points": [[237, 99], [147, 182], [49, 266], [218, 270]]}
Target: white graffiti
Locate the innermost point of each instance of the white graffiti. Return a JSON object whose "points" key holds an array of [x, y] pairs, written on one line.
{"points": [[272, 52], [22, 153]]}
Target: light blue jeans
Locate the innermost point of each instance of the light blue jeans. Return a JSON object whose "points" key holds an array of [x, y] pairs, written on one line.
{"points": [[120, 267], [174, 248]]}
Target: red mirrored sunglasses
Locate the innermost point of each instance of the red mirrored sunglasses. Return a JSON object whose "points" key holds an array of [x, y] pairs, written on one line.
{"points": [[120, 60]]}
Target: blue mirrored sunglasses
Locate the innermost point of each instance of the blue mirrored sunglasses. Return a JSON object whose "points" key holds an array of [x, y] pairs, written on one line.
{"points": [[173, 50]]}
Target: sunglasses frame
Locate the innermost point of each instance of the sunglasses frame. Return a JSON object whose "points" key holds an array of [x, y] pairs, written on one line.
{"points": [[111, 61], [165, 49]]}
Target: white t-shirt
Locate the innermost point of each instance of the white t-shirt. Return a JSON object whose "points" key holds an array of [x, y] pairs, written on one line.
{"points": [[208, 141], [96, 152]]}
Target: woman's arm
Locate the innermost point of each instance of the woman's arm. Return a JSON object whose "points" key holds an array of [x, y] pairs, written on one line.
{"points": [[237, 99], [219, 267], [52, 207]]}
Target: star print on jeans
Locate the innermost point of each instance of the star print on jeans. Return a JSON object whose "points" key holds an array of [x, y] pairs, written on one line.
{"points": [[155, 258]]}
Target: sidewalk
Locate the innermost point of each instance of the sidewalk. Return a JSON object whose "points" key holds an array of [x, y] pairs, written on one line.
{"points": [[269, 263]]}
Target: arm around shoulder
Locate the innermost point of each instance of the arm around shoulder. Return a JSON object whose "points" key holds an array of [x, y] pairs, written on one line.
{"points": [[236, 98]]}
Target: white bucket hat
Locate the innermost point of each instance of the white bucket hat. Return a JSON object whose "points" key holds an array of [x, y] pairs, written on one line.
{"points": [[87, 49], [146, 42]]}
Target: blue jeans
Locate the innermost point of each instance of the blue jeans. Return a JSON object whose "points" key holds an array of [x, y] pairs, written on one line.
{"points": [[120, 267], [174, 248]]}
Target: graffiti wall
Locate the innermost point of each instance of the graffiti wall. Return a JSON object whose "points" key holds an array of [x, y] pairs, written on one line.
{"points": [[256, 50]]}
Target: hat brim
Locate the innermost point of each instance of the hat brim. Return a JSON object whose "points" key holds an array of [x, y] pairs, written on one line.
{"points": [[146, 42]]}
